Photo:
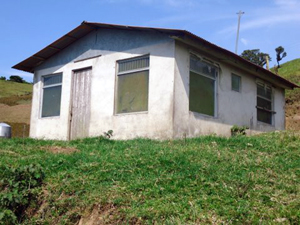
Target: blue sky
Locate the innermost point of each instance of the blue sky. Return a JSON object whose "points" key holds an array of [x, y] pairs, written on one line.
{"points": [[28, 26]]}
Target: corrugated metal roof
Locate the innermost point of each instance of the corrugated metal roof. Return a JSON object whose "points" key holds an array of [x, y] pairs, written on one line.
{"points": [[84, 28]]}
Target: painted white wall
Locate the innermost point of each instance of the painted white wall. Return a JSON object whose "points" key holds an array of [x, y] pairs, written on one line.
{"points": [[233, 108], [168, 113], [113, 45]]}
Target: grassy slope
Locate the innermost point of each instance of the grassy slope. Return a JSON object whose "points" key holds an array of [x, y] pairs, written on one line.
{"points": [[291, 71], [15, 106], [241, 180], [12, 88]]}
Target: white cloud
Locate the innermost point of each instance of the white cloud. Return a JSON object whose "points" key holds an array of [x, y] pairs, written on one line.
{"points": [[244, 41], [169, 3], [282, 12]]}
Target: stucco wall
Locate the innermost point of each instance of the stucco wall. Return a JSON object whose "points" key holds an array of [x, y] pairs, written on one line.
{"points": [[113, 45], [233, 108], [168, 113]]}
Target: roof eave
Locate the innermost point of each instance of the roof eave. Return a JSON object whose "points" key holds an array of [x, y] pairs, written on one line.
{"points": [[86, 27], [55, 47], [283, 82]]}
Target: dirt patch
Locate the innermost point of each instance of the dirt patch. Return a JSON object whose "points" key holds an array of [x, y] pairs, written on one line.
{"points": [[59, 149], [293, 116], [108, 214], [15, 114], [16, 99]]}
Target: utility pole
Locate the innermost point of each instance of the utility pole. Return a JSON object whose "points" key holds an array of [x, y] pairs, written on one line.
{"points": [[240, 13], [267, 62]]}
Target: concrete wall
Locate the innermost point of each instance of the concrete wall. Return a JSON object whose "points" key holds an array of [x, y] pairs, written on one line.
{"points": [[168, 113], [113, 45], [233, 108]]}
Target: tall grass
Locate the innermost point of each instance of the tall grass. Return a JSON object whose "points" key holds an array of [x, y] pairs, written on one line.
{"points": [[241, 180]]}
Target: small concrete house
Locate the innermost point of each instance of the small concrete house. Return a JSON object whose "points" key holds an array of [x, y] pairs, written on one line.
{"points": [[148, 82]]}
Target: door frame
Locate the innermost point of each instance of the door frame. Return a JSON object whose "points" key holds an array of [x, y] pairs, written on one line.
{"points": [[71, 97]]}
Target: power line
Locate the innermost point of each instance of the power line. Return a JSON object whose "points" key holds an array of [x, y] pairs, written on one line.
{"points": [[240, 13]]}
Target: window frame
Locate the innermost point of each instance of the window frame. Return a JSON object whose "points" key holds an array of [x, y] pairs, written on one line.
{"points": [[240, 82], [266, 85], [117, 74], [211, 63], [42, 94]]}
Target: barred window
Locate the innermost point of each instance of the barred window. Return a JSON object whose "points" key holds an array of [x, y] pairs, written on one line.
{"points": [[264, 103]]}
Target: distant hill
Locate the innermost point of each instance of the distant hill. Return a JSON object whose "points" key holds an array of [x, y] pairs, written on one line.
{"points": [[9, 88], [15, 106], [291, 71]]}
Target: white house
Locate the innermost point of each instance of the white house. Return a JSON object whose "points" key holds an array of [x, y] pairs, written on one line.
{"points": [[148, 82]]}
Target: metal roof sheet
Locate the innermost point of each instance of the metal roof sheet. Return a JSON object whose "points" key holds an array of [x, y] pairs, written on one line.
{"points": [[84, 28]]}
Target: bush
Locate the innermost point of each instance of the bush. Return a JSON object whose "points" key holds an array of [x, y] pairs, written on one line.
{"points": [[17, 79], [237, 130], [19, 189]]}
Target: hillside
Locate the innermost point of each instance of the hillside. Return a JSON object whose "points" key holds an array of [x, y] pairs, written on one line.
{"points": [[206, 180], [15, 106], [291, 71], [12, 88]]}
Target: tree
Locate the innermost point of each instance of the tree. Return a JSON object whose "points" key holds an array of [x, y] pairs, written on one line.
{"points": [[17, 79], [255, 56], [2, 78], [280, 54]]}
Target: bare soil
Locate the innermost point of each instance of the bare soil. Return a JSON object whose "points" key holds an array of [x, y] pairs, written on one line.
{"points": [[59, 149], [16, 113], [107, 214], [293, 116]]}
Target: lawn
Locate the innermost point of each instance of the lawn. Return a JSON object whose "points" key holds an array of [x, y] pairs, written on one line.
{"points": [[240, 180]]}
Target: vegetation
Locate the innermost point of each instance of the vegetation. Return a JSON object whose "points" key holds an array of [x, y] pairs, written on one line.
{"points": [[280, 54], [19, 189], [12, 88], [240, 180], [291, 71], [15, 105], [238, 130], [17, 79], [255, 56]]}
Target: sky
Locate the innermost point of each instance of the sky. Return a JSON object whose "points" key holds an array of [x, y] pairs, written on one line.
{"points": [[27, 26]]}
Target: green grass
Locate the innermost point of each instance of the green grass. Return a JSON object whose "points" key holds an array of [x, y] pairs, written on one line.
{"points": [[291, 71], [241, 180], [9, 88]]}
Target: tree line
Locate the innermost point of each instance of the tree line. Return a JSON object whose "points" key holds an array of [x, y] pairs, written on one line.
{"points": [[259, 58], [14, 78]]}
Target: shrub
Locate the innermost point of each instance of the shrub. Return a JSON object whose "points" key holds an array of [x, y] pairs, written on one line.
{"points": [[108, 134], [19, 189], [237, 130], [17, 79]]}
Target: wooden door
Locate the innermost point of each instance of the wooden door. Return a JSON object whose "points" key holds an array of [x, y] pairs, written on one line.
{"points": [[80, 104]]}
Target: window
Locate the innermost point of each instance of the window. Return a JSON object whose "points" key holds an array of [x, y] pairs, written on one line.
{"points": [[51, 95], [235, 83], [264, 103], [202, 86], [132, 85]]}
